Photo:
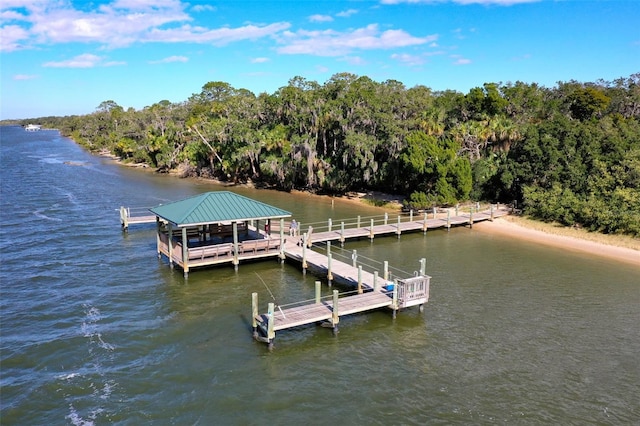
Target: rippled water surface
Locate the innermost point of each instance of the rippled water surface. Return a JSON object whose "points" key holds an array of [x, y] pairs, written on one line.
{"points": [[96, 330]]}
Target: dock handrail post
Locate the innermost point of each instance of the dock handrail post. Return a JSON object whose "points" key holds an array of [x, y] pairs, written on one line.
{"points": [[354, 257], [398, 232], [371, 233], [423, 265], [434, 212], [424, 223], [448, 220], [386, 218], [318, 293], [124, 219], [329, 225], [385, 274], [308, 235], [270, 325], [359, 279], [282, 256], [304, 253], [491, 210], [185, 253], [395, 298], [471, 217], [328, 248], [410, 215], [329, 273], [341, 232], [335, 315], [376, 287], [457, 207], [477, 206], [358, 222], [254, 314]]}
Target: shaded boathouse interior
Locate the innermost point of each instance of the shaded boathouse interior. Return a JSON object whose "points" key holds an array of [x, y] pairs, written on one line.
{"points": [[218, 227]]}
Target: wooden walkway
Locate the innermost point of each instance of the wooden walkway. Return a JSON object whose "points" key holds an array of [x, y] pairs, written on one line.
{"points": [[344, 233]]}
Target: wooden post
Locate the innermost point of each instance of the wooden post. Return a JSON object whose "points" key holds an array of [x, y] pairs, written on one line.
{"points": [[329, 273], [158, 240], [410, 215], [424, 223], [342, 233], [376, 287], [354, 257], [398, 232], [491, 210], [359, 279], [329, 225], [434, 212], [271, 334], [371, 233], [358, 222], [234, 227], [448, 220], [308, 234], [318, 292], [386, 218], [457, 206], [304, 253], [423, 266], [254, 314], [386, 270], [170, 242], [185, 253], [282, 239], [395, 298], [335, 315], [124, 219], [471, 217]]}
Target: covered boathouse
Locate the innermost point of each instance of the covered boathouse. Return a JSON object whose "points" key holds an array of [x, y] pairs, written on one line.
{"points": [[217, 227]]}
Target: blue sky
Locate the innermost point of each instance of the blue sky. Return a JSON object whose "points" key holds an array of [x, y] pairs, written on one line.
{"points": [[61, 57]]}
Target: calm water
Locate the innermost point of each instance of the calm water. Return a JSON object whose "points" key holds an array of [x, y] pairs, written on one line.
{"points": [[96, 330]]}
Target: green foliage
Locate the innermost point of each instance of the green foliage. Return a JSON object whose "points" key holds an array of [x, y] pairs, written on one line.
{"points": [[569, 154]]}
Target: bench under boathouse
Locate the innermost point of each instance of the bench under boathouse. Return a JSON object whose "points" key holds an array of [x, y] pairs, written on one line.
{"points": [[217, 227]]}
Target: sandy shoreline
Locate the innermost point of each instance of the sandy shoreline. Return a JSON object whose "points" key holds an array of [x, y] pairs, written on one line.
{"points": [[506, 227]]}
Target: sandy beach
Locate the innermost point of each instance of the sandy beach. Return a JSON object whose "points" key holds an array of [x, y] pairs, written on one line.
{"points": [[509, 227]]}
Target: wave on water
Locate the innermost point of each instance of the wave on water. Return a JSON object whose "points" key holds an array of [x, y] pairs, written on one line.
{"points": [[38, 213]]}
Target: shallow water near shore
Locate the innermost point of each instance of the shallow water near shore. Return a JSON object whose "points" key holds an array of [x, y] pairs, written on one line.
{"points": [[95, 329]]}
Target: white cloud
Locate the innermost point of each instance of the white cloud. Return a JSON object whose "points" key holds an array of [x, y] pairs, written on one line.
{"points": [[459, 60], [259, 60], [24, 77], [463, 2], [11, 36], [170, 59], [116, 24], [354, 60], [320, 18], [412, 60], [204, 8], [86, 60], [347, 13], [336, 43], [220, 36]]}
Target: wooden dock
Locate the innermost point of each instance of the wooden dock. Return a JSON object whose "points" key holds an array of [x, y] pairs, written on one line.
{"points": [[140, 215], [372, 291]]}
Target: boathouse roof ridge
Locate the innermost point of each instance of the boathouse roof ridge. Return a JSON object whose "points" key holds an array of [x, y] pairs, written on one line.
{"points": [[216, 207]]}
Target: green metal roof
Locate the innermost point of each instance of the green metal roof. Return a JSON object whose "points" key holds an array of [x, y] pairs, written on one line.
{"points": [[216, 207]]}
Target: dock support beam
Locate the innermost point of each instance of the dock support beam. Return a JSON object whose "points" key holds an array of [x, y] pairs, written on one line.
{"points": [[318, 293], [254, 314], [335, 315], [371, 233], [270, 333]]}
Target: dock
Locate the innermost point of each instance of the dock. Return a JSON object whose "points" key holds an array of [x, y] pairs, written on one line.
{"points": [[140, 215]]}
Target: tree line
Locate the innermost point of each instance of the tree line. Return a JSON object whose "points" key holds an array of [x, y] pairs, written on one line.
{"points": [[570, 153]]}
